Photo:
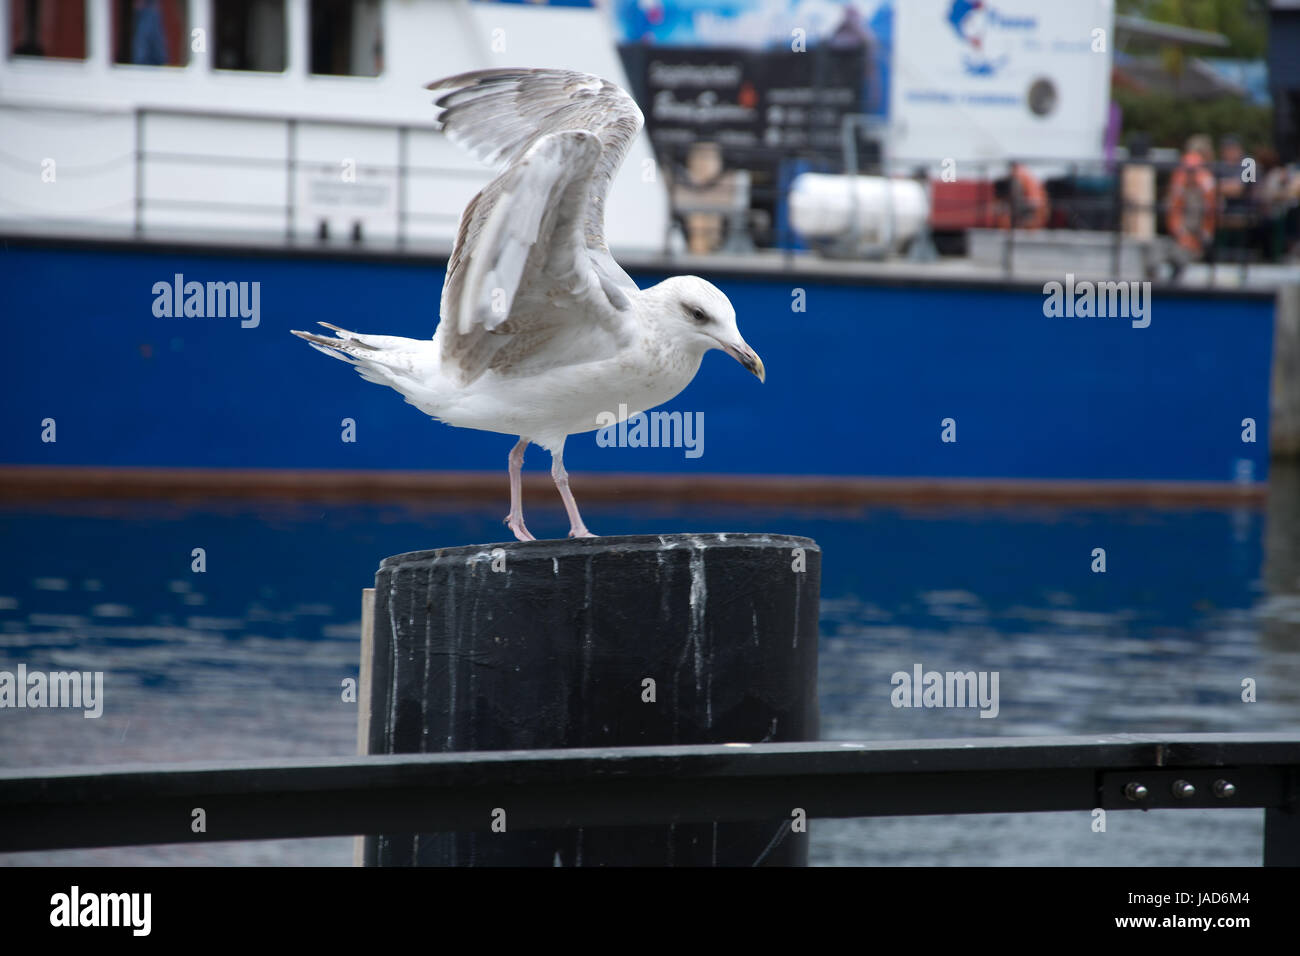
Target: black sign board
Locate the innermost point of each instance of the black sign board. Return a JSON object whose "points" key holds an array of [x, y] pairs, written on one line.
{"points": [[754, 104]]}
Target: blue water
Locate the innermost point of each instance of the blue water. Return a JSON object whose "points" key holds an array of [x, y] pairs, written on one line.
{"points": [[246, 659]]}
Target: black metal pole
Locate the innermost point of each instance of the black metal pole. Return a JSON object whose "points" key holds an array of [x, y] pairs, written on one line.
{"points": [[602, 642], [1282, 835], [1117, 225]]}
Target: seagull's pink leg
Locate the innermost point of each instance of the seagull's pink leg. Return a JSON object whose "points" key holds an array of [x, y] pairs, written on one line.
{"points": [[515, 520], [576, 528]]}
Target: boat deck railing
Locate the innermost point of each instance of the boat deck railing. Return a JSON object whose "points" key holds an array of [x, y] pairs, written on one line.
{"points": [[1092, 203]]}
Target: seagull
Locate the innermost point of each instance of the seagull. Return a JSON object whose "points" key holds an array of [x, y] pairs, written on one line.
{"points": [[541, 334]]}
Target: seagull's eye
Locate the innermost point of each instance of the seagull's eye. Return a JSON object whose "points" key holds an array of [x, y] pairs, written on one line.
{"points": [[699, 316]]}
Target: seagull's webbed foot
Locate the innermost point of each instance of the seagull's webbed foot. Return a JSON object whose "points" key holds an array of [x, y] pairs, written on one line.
{"points": [[516, 525], [581, 533]]}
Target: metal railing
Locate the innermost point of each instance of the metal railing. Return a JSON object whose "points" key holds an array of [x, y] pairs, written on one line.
{"points": [[145, 161], [625, 786], [1102, 209], [402, 170]]}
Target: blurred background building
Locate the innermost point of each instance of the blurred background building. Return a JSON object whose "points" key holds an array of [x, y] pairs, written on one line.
{"points": [[304, 120]]}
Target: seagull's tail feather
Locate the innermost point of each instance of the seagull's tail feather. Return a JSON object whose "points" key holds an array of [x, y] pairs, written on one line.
{"points": [[345, 348], [390, 360], [355, 341]]}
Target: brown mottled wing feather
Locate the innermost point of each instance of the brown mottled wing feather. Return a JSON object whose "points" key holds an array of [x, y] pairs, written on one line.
{"points": [[499, 114], [562, 137]]}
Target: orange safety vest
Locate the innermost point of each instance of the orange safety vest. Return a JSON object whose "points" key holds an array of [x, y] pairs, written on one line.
{"points": [[1031, 204], [1190, 218]]}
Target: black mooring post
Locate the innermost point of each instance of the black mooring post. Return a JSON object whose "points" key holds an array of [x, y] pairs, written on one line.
{"points": [[1281, 836], [599, 642]]}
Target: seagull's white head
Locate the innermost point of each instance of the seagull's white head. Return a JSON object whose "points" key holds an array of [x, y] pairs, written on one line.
{"points": [[701, 315]]}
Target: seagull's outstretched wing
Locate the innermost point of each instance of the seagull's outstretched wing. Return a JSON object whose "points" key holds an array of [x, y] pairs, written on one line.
{"points": [[530, 268], [499, 114]]}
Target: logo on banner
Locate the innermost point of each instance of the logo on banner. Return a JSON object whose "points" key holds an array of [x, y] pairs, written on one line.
{"points": [[984, 31]]}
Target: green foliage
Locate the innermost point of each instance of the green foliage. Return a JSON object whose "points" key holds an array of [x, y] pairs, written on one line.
{"points": [[1243, 22], [1169, 120]]}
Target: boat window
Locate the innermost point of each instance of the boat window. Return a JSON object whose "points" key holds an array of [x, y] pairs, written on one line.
{"points": [[49, 28], [150, 32], [347, 37], [250, 35]]}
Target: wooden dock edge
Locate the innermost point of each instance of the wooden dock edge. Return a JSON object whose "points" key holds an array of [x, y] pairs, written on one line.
{"points": [[28, 483]]}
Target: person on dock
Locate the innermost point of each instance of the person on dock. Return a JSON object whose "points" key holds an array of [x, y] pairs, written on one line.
{"points": [[1026, 206], [1191, 202]]}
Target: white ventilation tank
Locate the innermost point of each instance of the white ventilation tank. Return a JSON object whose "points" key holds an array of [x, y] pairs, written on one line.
{"points": [[888, 211]]}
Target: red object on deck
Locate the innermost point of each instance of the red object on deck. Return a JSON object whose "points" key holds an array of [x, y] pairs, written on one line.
{"points": [[965, 204]]}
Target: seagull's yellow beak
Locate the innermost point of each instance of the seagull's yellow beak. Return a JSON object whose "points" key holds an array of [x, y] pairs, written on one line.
{"points": [[747, 357]]}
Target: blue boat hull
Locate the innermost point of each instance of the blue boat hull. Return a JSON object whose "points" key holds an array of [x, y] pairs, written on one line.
{"points": [[858, 384]]}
